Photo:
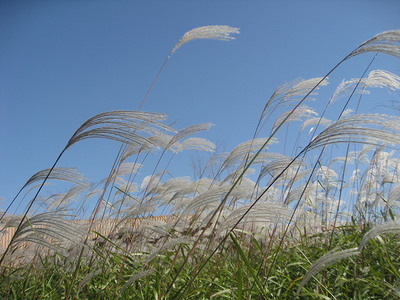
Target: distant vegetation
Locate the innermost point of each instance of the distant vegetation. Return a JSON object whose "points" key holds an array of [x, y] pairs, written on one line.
{"points": [[320, 223]]}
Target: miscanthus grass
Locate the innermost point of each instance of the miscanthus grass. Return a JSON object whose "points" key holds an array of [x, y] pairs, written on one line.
{"points": [[319, 221]]}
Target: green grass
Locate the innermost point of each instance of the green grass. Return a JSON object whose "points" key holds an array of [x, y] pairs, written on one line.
{"points": [[231, 274], [255, 224]]}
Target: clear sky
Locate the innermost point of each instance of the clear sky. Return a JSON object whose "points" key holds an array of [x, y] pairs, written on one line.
{"points": [[62, 62]]}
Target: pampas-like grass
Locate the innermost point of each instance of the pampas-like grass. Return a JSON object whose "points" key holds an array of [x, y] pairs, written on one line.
{"points": [[264, 216], [289, 205], [215, 32], [212, 198], [195, 143], [289, 93], [135, 278], [328, 259], [49, 229], [242, 151], [354, 129], [388, 227], [385, 42], [334, 256], [302, 111], [121, 126], [60, 173]]}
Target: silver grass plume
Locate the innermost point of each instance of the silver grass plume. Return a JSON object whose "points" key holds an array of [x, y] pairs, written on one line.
{"points": [[153, 227], [347, 112], [124, 169], [354, 129], [363, 157], [134, 278], [328, 259], [167, 245], [347, 88], [188, 131], [150, 182], [92, 193], [64, 174], [185, 187], [383, 79], [377, 171], [376, 78], [388, 227], [131, 150], [214, 163], [11, 221], [327, 175], [121, 126], [195, 143], [210, 199], [240, 152], [354, 178], [174, 185], [290, 92], [305, 191], [262, 212], [275, 167], [385, 42], [245, 180], [160, 140], [299, 175], [88, 278], [48, 229], [125, 188], [62, 200], [215, 32], [257, 158], [290, 116], [136, 211], [349, 159], [152, 187], [315, 121]]}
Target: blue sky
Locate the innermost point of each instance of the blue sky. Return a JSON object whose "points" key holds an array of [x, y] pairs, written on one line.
{"points": [[62, 62]]}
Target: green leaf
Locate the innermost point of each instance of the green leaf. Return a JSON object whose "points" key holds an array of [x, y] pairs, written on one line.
{"points": [[246, 261]]}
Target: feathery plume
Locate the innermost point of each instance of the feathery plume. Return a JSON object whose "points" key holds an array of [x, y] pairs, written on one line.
{"points": [[121, 126], [49, 229], [65, 174], [328, 259], [244, 149], [215, 32], [289, 92], [262, 212], [211, 198], [300, 112], [354, 129], [384, 42], [190, 130], [347, 88], [383, 79], [195, 143], [388, 227], [134, 278], [315, 121]]}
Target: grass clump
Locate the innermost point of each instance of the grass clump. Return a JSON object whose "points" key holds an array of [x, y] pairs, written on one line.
{"points": [[321, 223]]}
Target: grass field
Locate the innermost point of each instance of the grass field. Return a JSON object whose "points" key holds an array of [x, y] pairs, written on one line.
{"points": [[321, 223]]}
